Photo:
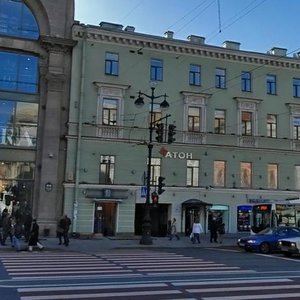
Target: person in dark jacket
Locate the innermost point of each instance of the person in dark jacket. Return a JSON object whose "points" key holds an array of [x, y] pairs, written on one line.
{"points": [[214, 230], [64, 226], [34, 236], [17, 232]]}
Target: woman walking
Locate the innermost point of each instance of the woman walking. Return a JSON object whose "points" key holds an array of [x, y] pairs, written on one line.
{"points": [[173, 230]]}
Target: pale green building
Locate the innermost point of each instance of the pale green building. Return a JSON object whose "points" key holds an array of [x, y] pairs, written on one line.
{"points": [[237, 118]]}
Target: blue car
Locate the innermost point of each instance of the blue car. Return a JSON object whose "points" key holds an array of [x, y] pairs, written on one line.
{"points": [[267, 242]]}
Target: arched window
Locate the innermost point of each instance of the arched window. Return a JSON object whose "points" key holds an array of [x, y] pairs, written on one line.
{"points": [[17, 20]]}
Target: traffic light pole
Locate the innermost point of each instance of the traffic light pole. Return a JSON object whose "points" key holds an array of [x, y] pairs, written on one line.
{"points": [[146, 226]]}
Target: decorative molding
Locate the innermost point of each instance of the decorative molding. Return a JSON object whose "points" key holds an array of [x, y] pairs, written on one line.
{"points": [[176, 46]]}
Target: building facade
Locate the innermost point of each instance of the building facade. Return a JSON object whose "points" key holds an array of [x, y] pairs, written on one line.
{"points": [[237, 118], [35, 64]]}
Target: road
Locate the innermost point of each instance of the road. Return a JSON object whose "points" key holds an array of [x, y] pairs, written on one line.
{"points": [[188, 273]]}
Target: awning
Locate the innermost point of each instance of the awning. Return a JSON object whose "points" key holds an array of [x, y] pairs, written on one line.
{"points": [[194, 203], [219, 207]]}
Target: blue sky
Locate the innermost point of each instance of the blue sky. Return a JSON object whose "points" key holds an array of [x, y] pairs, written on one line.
{"points": [[258, 25]]}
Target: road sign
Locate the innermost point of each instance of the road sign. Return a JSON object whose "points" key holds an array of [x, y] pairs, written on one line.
{"points": [[143, 191]]}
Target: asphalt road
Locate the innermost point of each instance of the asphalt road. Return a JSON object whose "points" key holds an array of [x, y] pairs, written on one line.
{"points": [[208, 273]]}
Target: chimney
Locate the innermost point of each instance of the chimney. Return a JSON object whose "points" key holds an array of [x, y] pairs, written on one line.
{"points": [[231, 45], [108, 25], [169, 34], [130, 28], [196, 39], [278, 51]]}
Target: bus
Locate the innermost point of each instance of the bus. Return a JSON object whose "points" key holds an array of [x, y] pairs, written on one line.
{"points": [[267, 215]]}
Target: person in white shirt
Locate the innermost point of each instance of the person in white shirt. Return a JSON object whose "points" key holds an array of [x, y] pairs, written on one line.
{"points": [[197, 230]]}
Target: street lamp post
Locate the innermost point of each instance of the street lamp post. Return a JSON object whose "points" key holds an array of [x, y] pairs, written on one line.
{"points": [[146, 227]]}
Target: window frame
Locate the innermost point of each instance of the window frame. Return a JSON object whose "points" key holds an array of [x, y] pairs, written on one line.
{"points": [[271, 82], [272, 126], [156, 69], [220, 128], [246, 81], [192, 172], [220, 78], [269, 170], [243, 167], [221, 183], [107, 162], [195, 75], [246, 125], [111, 63], [296, 87]]}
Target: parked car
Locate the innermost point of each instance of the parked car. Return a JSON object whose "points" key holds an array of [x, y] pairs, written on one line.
{"points": [[289, 246], [267, 242]]}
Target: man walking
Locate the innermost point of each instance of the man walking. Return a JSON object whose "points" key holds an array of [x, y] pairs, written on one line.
{"points": [[173, 230]]}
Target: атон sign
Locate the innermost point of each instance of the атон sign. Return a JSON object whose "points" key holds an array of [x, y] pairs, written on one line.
{"points": [[175, 155]]}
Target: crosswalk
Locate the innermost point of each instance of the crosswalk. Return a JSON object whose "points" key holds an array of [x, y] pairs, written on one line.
{"points": [[138, 270]]}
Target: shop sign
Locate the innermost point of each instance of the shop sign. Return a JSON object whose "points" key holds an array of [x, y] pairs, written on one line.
{"points": [[175, 155]]}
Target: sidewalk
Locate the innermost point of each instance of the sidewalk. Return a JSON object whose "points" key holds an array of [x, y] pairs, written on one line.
{"points": [[106, 244]]}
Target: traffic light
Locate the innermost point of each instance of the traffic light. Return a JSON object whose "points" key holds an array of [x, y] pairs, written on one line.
{"points": [[171, 133], [155, 198], [160, 132], [161, 184]]}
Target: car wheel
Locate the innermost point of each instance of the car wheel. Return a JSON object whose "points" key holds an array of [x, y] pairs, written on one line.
{"points": [[265, 248], [287, 254]]}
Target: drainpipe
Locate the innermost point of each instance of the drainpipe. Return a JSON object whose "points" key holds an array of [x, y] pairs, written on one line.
{"points": [[78, 149]]}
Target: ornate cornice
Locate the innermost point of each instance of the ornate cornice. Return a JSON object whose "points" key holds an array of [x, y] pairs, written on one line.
{"points": [[57, 43], [180, 47]]}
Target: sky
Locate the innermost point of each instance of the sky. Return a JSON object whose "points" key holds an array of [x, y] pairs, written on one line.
{"points": [[259, 25]]}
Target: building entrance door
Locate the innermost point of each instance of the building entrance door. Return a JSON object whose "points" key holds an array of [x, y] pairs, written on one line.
{"points": [[105, 218]]}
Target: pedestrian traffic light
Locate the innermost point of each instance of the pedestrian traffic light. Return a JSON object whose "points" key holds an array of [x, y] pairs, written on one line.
{"points": [[161, 184], [171, 133], [155, 198], [160, 132]]}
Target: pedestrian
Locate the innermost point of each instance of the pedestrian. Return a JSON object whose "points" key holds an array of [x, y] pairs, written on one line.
{"points": [[221, 232], [197, 230], [6, 227], [169, 228], [34, 236], [64, 226], [17, 233], [59, 231], [173, 230], [214, 230]]}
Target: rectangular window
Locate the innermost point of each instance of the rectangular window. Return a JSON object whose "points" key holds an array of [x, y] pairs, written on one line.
{"points": [[246, 81], [109, 113], [246, 123], [111, 63], [220, 78], [194, 119], [296, 87], [18, 72], [297, 177], [296, 128], [156, 113], [271, 84], [272, 126], [107, 169], [219, 173], [156, 69], [272, 176], [219, 121], [192, 176], [195, 74], [18, 123], [246, 174], [155, 170]]}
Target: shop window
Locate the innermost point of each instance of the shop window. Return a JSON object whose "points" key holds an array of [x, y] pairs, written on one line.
{"points": [[18, 123]]}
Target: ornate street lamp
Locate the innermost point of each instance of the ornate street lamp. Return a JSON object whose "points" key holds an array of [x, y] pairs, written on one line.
{"points": [[146, 226]]}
